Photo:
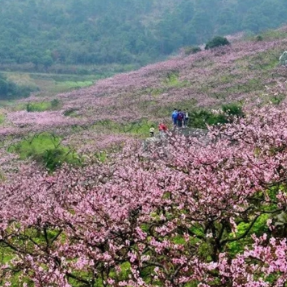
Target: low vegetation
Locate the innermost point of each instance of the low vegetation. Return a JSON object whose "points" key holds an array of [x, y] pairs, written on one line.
{"points": [[137, 128], [191, 50], [203, 117], [45, 149], [43, 106], [11, 90], [217, 41]]}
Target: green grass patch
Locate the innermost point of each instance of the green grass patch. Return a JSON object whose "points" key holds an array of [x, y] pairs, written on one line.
{"points": [[172, 80], [33, 106], [38, 107], [50, 84], [60, 87], [201, 118], [46, 149], [58, 83], [276, 100], [140, 127], [43, 106]]}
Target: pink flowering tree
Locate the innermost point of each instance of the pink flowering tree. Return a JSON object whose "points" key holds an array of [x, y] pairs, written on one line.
{"points": [[191, 212]]}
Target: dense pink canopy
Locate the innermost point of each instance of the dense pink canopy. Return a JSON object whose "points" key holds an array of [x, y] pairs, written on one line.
{"points": [[160, 217]]}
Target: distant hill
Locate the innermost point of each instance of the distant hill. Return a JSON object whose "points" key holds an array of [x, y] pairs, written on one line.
{"points": [[83, 32]]}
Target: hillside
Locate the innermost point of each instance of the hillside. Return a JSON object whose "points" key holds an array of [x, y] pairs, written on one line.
{"points": [[39, 35], [244, 73], [85, 203]]}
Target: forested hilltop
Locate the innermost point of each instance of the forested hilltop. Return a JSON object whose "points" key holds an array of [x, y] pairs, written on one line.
{"points": [[81, 32]]}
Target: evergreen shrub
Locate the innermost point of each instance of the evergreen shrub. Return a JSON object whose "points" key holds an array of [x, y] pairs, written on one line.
{"points": [[216, 42]]}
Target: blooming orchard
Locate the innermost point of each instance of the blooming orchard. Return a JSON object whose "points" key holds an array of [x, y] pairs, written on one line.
{"points": [[192, 212], [206, 79], [209, 211], [246, 71]]}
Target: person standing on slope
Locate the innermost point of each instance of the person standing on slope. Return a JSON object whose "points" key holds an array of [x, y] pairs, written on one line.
{"points": [[151, 131], [162, 129], [180, 118], [174, 117]]}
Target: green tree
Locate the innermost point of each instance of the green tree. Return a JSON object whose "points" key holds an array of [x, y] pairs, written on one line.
{"points": [[216, 42]]}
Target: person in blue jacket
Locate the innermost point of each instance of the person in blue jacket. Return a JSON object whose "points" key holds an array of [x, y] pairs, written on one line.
{"points": [[174, 117]]}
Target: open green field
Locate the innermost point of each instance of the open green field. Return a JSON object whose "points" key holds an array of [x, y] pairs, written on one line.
{"points": [[52, 84]]}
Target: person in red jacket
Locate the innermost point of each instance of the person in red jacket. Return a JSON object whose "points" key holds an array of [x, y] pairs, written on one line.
{"points": [[162, 128]]}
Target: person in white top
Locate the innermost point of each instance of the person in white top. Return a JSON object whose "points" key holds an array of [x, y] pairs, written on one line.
{"points": [[151, 131], [186, 118]]}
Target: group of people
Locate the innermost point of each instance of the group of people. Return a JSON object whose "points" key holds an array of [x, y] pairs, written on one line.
{"points": [[179, 118]]}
